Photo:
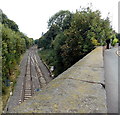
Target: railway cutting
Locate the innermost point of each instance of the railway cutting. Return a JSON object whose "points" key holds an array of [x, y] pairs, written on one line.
{"points": [[33, 77]]}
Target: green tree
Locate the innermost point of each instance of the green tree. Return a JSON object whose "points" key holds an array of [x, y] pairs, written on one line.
{"points": [[10, 23], [61, 19], [14, 44], [73, 35]]}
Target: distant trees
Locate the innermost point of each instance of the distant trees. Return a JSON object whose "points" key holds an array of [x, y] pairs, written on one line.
{"points": [[48, 37], [14, 43], [56, 24], [72, 35]]}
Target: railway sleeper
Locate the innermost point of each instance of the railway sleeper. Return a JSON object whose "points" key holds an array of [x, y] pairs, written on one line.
{"points": [[40, 75], [38, 69], [42, 80], [28, 91], [27, 97], [20, 101], [28, 79], [39, 72], [27, 86], [28, 68], [28, 73]]}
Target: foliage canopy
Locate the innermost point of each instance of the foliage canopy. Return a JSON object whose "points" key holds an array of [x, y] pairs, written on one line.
{"points": [[14, 44], [72, 35]]}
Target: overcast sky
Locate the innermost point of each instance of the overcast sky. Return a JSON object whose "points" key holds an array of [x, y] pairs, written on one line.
{"points": [[32, 15]]}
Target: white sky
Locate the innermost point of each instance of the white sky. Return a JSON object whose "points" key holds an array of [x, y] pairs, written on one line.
{"points": [[32, 15]]}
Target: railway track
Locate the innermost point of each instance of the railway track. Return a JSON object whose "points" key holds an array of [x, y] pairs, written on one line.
{"points": [[27, 89], [28, 83], [40, 75], [34, 75]]}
